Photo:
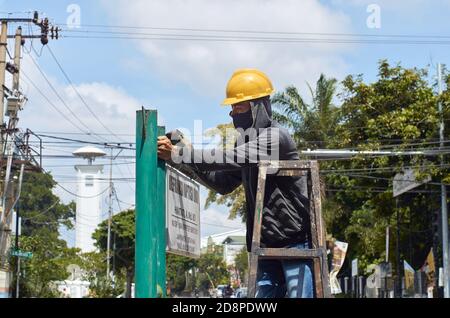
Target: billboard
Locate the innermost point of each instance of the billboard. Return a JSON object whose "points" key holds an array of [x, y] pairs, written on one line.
{"points": [[405, 181], [339, 252], [182, 214], [409, 278]]}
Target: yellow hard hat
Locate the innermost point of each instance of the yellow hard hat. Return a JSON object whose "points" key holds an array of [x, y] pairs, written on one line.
{"points": [[247, 84]]}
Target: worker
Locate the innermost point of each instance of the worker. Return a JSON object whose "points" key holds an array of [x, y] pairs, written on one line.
{"points": [[285, 217]]}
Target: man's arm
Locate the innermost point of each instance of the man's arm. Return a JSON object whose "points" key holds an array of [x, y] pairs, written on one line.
{"points": [[263, 147], [223, 182]]}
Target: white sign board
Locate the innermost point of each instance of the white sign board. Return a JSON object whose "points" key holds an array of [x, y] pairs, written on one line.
{"points": [[403, 182], [183, 214], [339, 252]]}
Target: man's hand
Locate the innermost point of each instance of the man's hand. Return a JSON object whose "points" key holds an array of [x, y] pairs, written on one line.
{"points": [[165, 148]]}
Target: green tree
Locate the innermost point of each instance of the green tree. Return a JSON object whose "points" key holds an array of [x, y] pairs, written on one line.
{"points": [[241, 261], [312, 125], [43, 214], [39, 207], [397, 111], [123, 236], [49, 263], [212, 265], [177, 267], [94, 268]]}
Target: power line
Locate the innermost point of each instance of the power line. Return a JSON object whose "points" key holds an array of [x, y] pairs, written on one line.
{"points": [[262, 31], [122, 175], [382, 178], [50, 102], [77, 133], [72, 157], [80, 196], [78, 94], [104, 164], [385, 169], [86, 142], [220, 225], [60, 98], [161, 36], [45, 211], [268, 40]]}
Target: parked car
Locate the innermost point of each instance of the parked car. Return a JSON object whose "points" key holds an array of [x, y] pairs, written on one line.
{"points": [[241, 292]]}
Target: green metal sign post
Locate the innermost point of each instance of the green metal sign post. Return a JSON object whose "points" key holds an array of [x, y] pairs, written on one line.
{"points": [[150, 253]]}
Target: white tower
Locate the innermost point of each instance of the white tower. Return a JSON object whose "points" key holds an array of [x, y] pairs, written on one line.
{"points": [[89, 209]]}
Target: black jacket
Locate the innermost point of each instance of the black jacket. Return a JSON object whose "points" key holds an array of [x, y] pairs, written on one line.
{"points": [[286, 206]]}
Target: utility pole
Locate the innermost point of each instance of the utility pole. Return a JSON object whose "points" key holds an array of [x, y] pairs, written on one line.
{"points": [[17, 248], [17, 47], [15, 88], [397, 254], [8, 134], [108, 244], [10, 147], [3, 44], [387, 244], [444, 214], [110, 214]]}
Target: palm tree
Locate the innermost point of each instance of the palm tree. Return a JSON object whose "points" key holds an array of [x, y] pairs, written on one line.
{"points": [[312, 125]]}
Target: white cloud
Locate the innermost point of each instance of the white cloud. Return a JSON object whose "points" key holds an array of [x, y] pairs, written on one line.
{"points": [[206, 66], [405, 6], [112, 105]]}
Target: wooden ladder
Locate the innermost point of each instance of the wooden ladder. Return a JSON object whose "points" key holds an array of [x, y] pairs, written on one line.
{"points": [[318, 252]]}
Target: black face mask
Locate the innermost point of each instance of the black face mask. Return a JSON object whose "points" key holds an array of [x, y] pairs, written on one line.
{"points": [[243, 120]]}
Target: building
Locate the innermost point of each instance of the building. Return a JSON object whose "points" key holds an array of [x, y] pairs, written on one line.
{"points": [[219, 238], [228, 244], [74, 286], [5, 282], [89, 195], [231, 243]]}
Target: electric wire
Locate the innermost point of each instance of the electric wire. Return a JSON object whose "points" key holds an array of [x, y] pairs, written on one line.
{"points": [[43, 212], [297, 41], [61, 99], [78, 93], [261, 31], [51, 103], [88, 142], [80, 196]]}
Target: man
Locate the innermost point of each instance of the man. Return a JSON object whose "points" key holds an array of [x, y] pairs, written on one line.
{"points": [[285, 220], [228, 291]]}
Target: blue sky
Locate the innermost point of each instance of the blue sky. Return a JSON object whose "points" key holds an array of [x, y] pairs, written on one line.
{"points": [[186, 80]]}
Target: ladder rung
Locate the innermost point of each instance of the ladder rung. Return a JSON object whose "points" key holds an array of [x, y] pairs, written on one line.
{"points": [[288, 253]]}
